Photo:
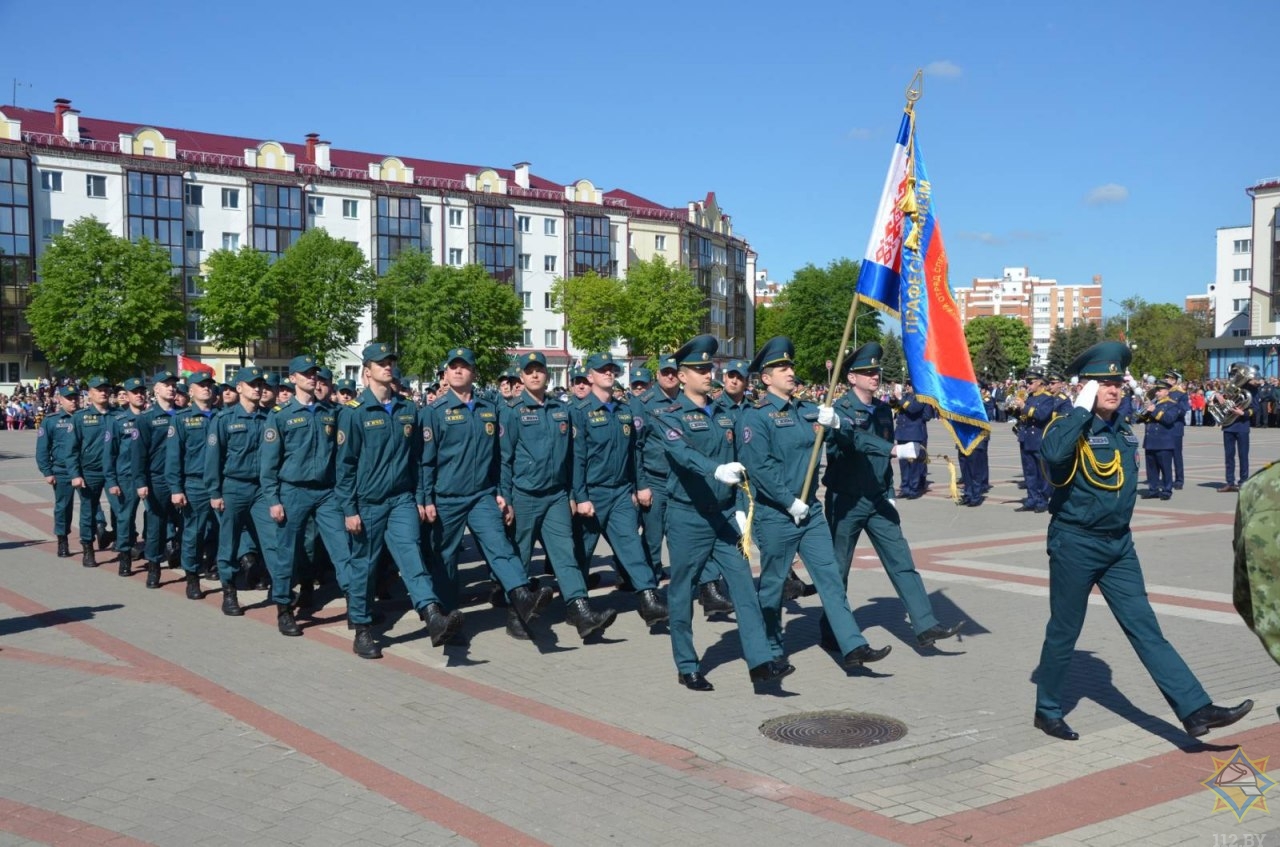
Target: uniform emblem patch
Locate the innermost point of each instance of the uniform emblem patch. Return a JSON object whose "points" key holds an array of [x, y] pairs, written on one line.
{"points": [[269, 434], [488, 429], [427, 434], [134, 435], [172, 432], [408, 430], [342, 437], [213, 440], [564, 427], [673, 435], [728, 435], [106, 436], [626, 429], [638, 423], [746, 435]]}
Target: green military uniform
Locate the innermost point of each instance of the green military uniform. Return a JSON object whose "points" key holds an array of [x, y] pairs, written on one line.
{"points": [[125, 441], [88, 460], [652, 467], [149, 472], [55, 449], [699, 442], [184, 469], [775, 441], [1256, 542], [1092, 465]]}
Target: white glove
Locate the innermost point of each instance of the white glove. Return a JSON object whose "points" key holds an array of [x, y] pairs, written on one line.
{"points": [[740, 518], [827, 417], [799, 510], [1088, 394], [730, 473], [909, 451]]}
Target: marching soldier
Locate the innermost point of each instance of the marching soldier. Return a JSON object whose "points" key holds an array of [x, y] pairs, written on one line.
{"points": [[458, 489], [1159, 441], [55, 447], [92, 442], [149, 474], [912, 427], [652, 467], [346, 391], [1091, 459], [120, 481], [270, 391], [604, 481], [536, 476], [641, 379], [704, 523], [184, 468], [859, 482], [376, 479], [775, 440]]}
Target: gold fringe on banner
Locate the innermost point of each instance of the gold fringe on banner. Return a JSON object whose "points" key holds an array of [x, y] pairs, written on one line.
{"points": [[955, 484], [744, 545]]}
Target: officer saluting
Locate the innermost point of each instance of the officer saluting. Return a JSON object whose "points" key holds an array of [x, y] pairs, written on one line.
{"points": [[698, 436], [775, 440], [1091, 458]]}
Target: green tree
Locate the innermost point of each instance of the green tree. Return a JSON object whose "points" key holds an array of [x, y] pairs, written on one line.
{"points": [[591, 305], [239, 303], [1065, 344], [1059, 356], [425, 309], [104, 304], [325, 286], [990, 362], [816, 303], [661, 307], [1015, 340], [1163, 337], [894, 363], [770, 321]]}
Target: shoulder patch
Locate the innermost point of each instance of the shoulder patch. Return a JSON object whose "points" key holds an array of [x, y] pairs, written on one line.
{"points": [[276, 408], [213, 439], [269, 434]]}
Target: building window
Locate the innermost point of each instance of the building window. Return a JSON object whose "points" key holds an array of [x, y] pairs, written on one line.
{"points": [[193, 285], [547, 302], [1240, 305], [276, 218], [550, 337], [231, 198], [351, 209], [51, 180], [549, 226], [495, 241], [195, 334], [398, 228], [1242, 275], [522, 223], [527, 341], [95, 186], [155, 211], [455, 256], [1242, 245], [455, 217], [315, 206], [526, 297], [426, 215], [195, 239], [16, 250], [50, 228], [231, 241], [591, 250], [523, 261], [549, 264], [659, 242], [193, 194]]}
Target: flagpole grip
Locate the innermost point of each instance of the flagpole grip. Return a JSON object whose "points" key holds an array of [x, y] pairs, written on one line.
{"points": [[837, 372]]}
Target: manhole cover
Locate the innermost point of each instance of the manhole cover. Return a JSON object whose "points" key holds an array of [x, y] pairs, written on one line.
{"points": [[834, 729]]}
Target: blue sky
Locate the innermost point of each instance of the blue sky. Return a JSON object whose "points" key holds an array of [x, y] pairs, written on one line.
{"points": [[1091, 138]]}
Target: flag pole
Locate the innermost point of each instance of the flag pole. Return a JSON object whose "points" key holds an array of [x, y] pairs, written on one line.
{"points": [[914, 91]]}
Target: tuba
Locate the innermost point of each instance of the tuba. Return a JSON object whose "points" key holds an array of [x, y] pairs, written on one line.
{"points": [[1225, 402]]}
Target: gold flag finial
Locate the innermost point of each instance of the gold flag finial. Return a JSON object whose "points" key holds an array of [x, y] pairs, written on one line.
{"points": [[916, 89]]}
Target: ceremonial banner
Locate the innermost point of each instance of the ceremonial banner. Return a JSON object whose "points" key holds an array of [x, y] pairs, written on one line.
{"points": [[904, 273], [187, 366]]}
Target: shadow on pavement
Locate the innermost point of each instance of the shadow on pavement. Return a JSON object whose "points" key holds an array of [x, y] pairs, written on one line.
{"points": [[57, 617]]}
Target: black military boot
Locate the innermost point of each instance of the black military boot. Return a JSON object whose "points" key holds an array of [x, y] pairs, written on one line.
{"points": [[712, 600], [126, 563], [306, 602], [580, 614], [652, 610], [440, 626], [364, 646], [795, 587], [87, 559], [193, 586], [105, 538], [515, 627], [285, 621], [64, 549], [230, 601], [153, 574], [527, 602]]}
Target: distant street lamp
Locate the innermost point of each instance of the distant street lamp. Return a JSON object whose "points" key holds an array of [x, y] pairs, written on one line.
{"points": [[1126, 317]]}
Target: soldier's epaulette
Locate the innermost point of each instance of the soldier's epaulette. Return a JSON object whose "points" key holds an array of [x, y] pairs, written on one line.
{"points": [[674, 407], [761, 403], [440, 401], [278, 407], [353, 403]]}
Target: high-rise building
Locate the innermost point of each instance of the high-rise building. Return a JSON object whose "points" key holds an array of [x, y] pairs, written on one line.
{"points": [[1041, 304]]}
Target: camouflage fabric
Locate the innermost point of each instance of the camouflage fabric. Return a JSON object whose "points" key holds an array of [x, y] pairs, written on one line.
{"points": [[1256, 589]]}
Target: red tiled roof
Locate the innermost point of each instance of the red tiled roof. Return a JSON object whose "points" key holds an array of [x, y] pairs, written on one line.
{"points": [[634, 201]]}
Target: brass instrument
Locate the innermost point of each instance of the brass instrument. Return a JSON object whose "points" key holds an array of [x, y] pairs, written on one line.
{"points": [[1226, 403], [1016, 400]]}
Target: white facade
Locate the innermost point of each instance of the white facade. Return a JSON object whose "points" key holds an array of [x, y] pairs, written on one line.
{"points": [[1264, 314], [1229, 293]]}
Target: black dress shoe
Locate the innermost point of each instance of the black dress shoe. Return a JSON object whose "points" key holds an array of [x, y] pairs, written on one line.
{"points": [[1227, 489], [285, 622], [771, 671], [1210, 717], [937, 632], [364, 645], [1040, 510], [1149, 494], [712, 600], [695, 682], [1056, 727], [1167, 495], [865, 655], [1025, 507]]}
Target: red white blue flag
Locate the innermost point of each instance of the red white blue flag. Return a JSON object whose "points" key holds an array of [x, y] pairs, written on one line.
{"points": [[904, 273]]}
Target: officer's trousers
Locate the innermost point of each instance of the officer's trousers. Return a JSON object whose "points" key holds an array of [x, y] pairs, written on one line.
{"points": [[198, 530], [64, 500], [246, 512], [1037, 483], [479, 513], [1233, 442], [779, 540], [90, 496], [1077, 561], [850, 515], [160, 515], [696, 538], [653, 525], [125, 507], [615, 518], [1160, 471], [393, 524], [1179, 472], [912, 477], [546, 518], [303, 505]]}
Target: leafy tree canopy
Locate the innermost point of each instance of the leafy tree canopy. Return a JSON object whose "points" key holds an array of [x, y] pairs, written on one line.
{"points": [[661, 307], [1015, 344], [239, 304], [325, 286], [591, 305]]}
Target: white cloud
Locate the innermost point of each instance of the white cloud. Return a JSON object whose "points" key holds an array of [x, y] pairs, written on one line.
{"points": [[1107, 195], [989, 238], [942, 67], [859, 133]]}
